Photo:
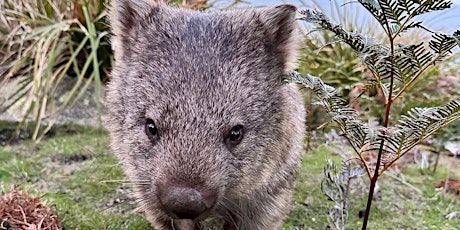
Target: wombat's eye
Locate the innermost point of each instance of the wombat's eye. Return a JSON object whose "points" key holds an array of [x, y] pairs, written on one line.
{"points": [[151, 129], [235, 135]]}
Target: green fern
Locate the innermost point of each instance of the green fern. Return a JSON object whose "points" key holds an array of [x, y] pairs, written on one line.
{"points": [[415, 127], [394, 68], [406, 63], [396, 16]]}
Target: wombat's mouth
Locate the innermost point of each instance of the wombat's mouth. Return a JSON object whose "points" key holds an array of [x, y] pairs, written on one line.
{"points": [[189, 217]]}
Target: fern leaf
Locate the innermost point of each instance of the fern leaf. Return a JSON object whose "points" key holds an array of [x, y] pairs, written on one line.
{"points": [[442, 45], [353, 128], [336, 187], [456, 35], [419, 124], [413, 8], [397, 14], [394, 15], [431, 5], [374, 55], [404, 68], [409, 60], [360, 43], [408, 9], [374, 8], [418, 56], [356, 132], [407, 5], [412, 129], [413, 24]]}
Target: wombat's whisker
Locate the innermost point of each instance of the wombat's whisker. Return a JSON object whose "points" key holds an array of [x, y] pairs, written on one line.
{"points": [[230, 205], [146, 182]]}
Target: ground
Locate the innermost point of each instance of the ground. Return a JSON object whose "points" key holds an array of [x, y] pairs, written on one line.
{"points": [[74, 172]]}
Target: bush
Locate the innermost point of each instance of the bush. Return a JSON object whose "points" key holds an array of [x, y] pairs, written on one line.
{"points": [[394, 67]]}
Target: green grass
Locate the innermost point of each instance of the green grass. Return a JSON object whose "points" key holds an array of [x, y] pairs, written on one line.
{"points": [[71, 170], [397, 205]]}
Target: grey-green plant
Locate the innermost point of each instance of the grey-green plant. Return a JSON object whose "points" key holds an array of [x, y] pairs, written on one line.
{"points": [[394, 67], [336, 186]]}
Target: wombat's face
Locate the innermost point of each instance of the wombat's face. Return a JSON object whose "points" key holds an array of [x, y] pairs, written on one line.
{"points": [[197, 103]]}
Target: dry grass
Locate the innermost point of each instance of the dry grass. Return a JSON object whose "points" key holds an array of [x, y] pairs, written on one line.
{"points": [[19, 210]]}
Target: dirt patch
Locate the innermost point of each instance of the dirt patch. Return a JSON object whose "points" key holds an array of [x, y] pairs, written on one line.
{"points": [[121, 202], [9, 136], [68, 160]]}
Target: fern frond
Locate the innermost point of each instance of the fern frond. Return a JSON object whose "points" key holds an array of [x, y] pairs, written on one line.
{"points": [[393, 14], [386, 68], [413, 8], [371, 84], [419, 124], [374, 55], [361, 44], [404, 68], [413, 25], [409, 60], [429, 6], [418, 57], [356, 132], [397, 14], [374, 8], [456, 35], [412, 129], [442, 45]]}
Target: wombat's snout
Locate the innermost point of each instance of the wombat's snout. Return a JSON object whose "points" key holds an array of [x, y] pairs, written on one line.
{"points": [[186, 202]]}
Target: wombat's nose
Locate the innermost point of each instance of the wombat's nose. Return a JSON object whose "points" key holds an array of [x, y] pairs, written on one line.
{"points": [[186, 203]]}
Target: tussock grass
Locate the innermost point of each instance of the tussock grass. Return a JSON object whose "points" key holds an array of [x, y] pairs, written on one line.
{"points": [[45, 41]]}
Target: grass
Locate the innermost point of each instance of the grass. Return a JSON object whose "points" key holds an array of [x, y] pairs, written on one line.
{"points": [[71, 170], [397, 206]]}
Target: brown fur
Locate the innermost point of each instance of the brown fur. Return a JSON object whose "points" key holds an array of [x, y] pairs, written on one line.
{"points": [[197, 76]]}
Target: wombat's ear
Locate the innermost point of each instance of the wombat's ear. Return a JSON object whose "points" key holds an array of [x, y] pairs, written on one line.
{"points": [[281, 28], [125, 15]]}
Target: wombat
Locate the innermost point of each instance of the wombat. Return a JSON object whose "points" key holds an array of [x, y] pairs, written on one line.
{"points": [[199, 115]]}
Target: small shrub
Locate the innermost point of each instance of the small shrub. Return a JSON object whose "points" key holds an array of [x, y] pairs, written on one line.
{"points": [[394, 67]]}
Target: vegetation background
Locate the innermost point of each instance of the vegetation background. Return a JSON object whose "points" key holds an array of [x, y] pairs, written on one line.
{"points": [[54, 60]]}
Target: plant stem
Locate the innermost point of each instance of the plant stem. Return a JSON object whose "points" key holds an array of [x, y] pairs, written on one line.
{"points": [[374, 178], [370, 196], [310, 120]]}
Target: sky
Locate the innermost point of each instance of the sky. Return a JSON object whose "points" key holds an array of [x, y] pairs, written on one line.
{"points": [[269, 2], [446, 21]]}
